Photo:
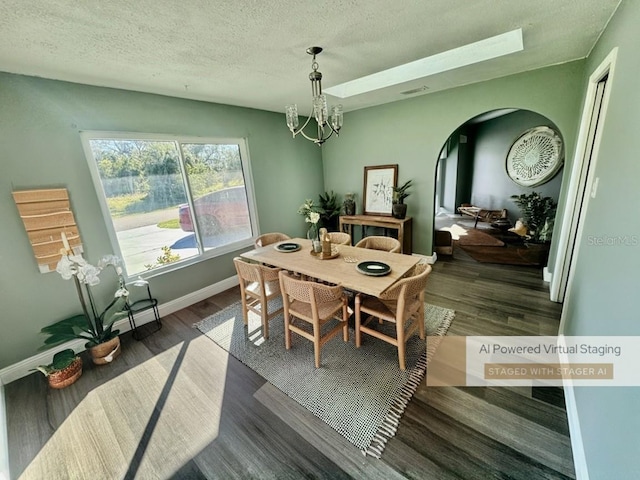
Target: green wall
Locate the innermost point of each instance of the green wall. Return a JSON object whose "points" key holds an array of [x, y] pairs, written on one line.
{"points": [[412, 132], [40, 148], [603, 297]]}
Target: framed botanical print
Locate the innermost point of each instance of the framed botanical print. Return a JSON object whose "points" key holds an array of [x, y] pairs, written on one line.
{"points": [[379, 181]]}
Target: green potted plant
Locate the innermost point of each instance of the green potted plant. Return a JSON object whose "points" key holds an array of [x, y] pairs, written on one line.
{"points": [[349, 204], [538, 214], [398, 207], [329, 210], [93, 326], [65, 369]]}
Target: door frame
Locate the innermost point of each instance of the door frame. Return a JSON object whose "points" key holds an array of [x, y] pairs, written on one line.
{"points": [[581, 188], [581, 185]]}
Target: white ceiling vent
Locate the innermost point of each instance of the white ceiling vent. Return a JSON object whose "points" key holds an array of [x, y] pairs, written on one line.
{"points": [[415, 90]]}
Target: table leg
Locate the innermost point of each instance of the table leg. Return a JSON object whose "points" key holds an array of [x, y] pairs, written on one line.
{"points": [[357, 328]]}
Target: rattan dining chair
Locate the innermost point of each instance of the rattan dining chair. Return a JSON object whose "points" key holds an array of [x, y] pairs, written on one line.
{"points": [[269, 238], [310, 304], [259, 284], [340, 238], [402, 304], [387, 244]]}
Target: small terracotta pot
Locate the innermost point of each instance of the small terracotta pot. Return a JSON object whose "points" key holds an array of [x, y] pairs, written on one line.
{"points": [[105, 352], [66, 376]]}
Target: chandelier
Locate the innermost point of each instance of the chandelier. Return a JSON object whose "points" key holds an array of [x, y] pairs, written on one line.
{"points": [[318, 108]]}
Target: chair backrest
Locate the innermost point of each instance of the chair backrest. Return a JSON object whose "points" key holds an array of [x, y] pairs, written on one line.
{"points": [[269, 238], [387, 244], [340, 238], [255, 272], [306, 291], [411, 286]]}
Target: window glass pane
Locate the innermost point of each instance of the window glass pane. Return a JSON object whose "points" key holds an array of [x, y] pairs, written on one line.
{"points": [[169, 201], [143, 185], [216, 180]]}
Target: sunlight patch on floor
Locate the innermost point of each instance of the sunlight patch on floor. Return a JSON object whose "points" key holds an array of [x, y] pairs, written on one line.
{"points": [[152, 416], [456, 231]]}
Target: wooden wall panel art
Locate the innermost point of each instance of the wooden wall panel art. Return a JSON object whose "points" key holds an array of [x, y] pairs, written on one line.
{"points": [[47, 215]]}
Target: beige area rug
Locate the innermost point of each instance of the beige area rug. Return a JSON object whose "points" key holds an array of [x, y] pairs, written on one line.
{"points": [[360, 392]]}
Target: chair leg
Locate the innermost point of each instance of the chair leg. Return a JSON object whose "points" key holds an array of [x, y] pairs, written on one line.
{"points": [[245, 310], [421, 320], [265, 319], [316, 344], [287, 331], [345, 320], [401, 344]]}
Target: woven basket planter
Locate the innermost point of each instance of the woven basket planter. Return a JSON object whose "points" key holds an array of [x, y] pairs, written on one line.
{"points": [[105, 352], [66, 376]]}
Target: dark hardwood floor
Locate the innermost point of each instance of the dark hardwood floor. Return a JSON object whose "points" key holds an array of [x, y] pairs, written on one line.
{"points": [[175, 405]]}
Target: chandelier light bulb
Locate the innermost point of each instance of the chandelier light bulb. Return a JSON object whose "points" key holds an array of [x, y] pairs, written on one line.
{"points": [[336, 117], [292, 116]]}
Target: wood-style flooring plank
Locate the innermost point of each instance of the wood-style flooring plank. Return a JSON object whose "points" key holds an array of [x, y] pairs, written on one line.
{"points": [[527, 437], [327, 440], [464, 451]]}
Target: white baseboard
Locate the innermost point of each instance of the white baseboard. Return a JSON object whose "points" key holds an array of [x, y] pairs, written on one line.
{"points": [[430, 259], [4, 442], [575, 433], [25, 367], [546, 275]]}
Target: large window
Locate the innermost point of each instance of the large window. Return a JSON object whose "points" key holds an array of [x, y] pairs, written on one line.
{"points": [[171, 200]]}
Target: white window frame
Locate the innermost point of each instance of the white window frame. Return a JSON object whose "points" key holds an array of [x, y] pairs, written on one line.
{"points": [[87, 136]]}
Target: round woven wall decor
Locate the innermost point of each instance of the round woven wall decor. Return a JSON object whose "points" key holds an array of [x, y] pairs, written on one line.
{"points": [[535, 157]]}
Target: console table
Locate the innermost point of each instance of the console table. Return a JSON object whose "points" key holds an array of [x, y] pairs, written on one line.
{"points": [[403, 226]]}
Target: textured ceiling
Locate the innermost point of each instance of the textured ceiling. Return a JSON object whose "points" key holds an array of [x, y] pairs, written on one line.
{"points": [[252, 53]]}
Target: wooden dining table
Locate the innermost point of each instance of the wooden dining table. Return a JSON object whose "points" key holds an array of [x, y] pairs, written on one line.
{"points": [[339, 270]]}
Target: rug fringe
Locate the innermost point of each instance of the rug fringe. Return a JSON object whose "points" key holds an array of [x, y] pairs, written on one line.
{"points": [[391, 422]]}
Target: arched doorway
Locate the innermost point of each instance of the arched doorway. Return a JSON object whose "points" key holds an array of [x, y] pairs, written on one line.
{"points": [[471, 172]]}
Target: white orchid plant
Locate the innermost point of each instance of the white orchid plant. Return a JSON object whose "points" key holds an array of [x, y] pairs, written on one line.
{"points": [[93, 326]]}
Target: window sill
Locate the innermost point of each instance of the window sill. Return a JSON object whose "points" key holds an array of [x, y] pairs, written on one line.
{"points": [[188, 262]]}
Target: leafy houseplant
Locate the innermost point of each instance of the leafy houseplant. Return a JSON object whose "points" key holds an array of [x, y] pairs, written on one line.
{"points": [[538, 214], [64, 370], [330, 210], [349, 204], [94, 326], [398, 208]]}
